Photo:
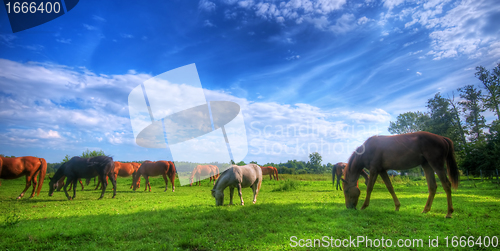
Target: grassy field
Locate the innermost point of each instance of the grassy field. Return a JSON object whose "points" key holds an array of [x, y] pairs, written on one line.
{"points": [[305, 206]]}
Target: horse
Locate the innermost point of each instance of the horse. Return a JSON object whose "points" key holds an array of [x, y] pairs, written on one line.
{"points": [[401, 152], [149, 168], [60, 184], [205, 171], [87, 168], [237, 177], [338, 170], [122, 170], [13, 168], [271, 170]]}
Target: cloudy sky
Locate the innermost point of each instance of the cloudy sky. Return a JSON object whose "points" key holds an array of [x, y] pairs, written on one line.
{"points": [[308, 75]]}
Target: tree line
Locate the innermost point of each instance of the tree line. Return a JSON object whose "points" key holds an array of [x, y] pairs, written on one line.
{"points": [[461, 118]]}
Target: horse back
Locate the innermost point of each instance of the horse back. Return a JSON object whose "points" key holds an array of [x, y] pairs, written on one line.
{"points": [[13, 168]]}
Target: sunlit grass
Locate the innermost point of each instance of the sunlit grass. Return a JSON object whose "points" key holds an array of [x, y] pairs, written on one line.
{"points": [[187, 219]]}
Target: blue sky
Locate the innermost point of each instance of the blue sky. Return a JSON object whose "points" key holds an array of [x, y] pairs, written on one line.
{"points": [[335, 71]]}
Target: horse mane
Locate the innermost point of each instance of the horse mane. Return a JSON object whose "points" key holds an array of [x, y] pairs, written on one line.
{"points": [[220, 176], [353, 162]]}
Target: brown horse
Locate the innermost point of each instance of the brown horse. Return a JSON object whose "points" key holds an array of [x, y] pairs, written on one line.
{"points": [[271, 170], [149, 168], [123, 170], [13, 168], [338, 170], [199, 171], [400, 152]]}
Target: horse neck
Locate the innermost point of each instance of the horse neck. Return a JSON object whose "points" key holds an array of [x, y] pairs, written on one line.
{"points": [[220, 183], [59, 174]]}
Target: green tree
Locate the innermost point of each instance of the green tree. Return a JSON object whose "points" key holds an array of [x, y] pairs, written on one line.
{"points": [[457, 122], [472, 107], [491, 81], [315, 163], [94, 153], [409, 122], [241, 163]]}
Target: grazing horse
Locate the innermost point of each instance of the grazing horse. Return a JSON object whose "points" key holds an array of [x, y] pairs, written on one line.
{"points": [[338, 170], [123, 170], [87, 168], [271, 170], [13, 168], [149, 168], [204, 171], [60, 184], [237, 177], [401, 152]]}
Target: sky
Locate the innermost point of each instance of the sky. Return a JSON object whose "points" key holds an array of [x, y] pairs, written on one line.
{"points": [[309, 76]]}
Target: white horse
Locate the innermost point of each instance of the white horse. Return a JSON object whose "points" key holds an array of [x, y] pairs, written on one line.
{"points": [[237, 177]]}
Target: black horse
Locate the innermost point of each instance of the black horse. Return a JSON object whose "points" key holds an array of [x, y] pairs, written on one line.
{"points": [[85, 168]]}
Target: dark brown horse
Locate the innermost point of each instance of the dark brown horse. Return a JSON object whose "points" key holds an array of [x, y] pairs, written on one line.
{"points": [[401, 152], [123, 170], [13, 168], [199, 171], [149, 168], [271, 170], [87, 168], [338, 170]]}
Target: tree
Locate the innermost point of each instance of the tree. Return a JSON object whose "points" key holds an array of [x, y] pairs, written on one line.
{"points": [[90, 154], [315, 163], [241, 163], [409, 122], [458, 122], [472, 107], [491, 82]]}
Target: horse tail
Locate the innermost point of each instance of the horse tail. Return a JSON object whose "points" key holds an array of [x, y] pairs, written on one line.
{"points": [[334, 172], [43, 171], [171, 170], [451, 163]]}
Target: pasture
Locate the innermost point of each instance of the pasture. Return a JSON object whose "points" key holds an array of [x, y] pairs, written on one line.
{"points": [[187, 219]]}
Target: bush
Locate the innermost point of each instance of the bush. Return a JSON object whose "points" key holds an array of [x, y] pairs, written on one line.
{"points": [[288, 185]]}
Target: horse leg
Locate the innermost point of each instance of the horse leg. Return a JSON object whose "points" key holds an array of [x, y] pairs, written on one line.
{"points": [[172, 180], [98, 183], [369, 189], [166, 181], [102, 179], [338, 183], [28, 184], [147, 183], [255, 192], [447, 188], [270, 177], [65, 188], [231, 192], [241, 197], [431, 184], [113, 181], [74, 187], [34, 184], [81, 183], [388, 184]]}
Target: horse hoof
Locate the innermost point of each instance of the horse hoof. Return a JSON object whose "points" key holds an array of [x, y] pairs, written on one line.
{"points": [[448, 216], [19, 197], [99, 198]]}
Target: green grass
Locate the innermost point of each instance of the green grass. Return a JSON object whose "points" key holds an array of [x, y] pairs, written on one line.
{"points": [[188, 219]]}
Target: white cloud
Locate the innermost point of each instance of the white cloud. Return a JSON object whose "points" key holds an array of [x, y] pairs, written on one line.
{"points": [[419, 73], [206, 5], [207, 23], [363, 20], [89, 27], [316, 12], [124, 35], [64, 41], [456, 28]]}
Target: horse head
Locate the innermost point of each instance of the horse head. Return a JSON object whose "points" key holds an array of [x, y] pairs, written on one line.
{"points": [[351, 194], [219, 197], [52, 186]]}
